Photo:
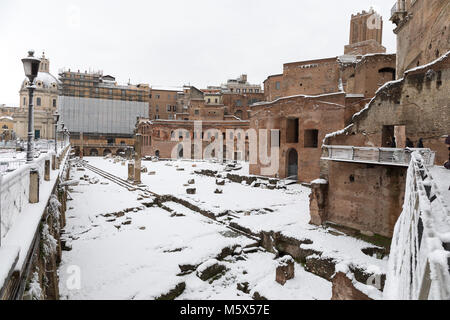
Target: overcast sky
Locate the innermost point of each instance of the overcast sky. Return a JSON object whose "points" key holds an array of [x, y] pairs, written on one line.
{"points": [[175, 42]]}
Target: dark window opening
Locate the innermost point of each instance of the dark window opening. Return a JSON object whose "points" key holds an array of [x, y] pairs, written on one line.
{"points": [[292, 130], [311, 138]]}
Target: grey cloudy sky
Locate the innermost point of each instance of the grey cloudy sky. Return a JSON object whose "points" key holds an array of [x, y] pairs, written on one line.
{"points": [[175, 42]]}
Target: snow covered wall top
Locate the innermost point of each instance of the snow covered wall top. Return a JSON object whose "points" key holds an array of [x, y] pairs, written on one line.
{"points": [[100, 115]]}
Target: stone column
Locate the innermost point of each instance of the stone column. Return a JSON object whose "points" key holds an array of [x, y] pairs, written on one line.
{"points": [[318, 202], [137, 158], [53, 162], [47, 170], [130, 171], [34, 186]]}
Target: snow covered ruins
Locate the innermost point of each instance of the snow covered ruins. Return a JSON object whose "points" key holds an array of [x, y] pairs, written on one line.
{"points": [[331, 181]]}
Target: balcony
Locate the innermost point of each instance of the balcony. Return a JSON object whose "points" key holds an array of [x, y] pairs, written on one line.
{"points": [[398, 12], [380, 156]]}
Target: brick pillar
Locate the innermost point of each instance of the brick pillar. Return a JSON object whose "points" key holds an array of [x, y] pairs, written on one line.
{"points": [[47, 170], [130, 171], [53, 162], [317, 203], [34, 186], [137, 158]]}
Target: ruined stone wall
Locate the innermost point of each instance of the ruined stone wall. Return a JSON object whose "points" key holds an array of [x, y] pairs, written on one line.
{"points": [[271, 90], [310, 77], [372, 72], [365, 197], [423, 34], [157, 136], [420, 102], [324, 114]]}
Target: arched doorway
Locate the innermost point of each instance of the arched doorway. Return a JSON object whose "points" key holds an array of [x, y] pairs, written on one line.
{"points": [[180, 151], [93, 153], [120, 152], [157, 153], [292, 158], [107, 152]]}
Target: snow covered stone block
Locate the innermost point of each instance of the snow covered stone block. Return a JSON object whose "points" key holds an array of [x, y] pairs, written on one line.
{"points": [[191, 190], [174, 293], [210, 269], [152, 173], [180, 169], [191, 181], [285, 270], [144, 170], [220, 182], [344, 289], [218, 191]]}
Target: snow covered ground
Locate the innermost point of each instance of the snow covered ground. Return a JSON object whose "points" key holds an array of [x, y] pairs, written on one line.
{"points": [[136, 255]]}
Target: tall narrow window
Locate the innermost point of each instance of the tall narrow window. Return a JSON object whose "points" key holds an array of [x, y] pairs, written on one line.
{"points": [[38, 102], [311, 138], [292, 130]]}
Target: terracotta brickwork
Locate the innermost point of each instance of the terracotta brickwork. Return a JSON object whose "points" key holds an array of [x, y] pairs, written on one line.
{"points": [[423, 32]]}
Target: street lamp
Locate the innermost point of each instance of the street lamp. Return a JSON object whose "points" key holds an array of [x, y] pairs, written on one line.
{"points": [[66, 135], [56, 118], [31, 68]]}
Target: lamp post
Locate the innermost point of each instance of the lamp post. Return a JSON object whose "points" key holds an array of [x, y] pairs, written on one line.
{"points": [[56, 118], [66, 136], [31, 68]]}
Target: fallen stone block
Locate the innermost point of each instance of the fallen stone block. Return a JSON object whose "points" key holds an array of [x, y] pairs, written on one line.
{"points": [[344, 289], [218, 191], [180, 169], [152, 173], [187, 268], [191, 181], [144, 170], [210, 269], [220, 182], [285, 270], [323, 267], [174, 293], [191, 191], [243, 287]]}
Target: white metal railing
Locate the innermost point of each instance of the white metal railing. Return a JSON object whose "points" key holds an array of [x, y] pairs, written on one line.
{"points": [[419, 263], [387, 156]]}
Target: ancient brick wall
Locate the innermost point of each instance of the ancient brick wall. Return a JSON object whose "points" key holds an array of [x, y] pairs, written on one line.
{"points": [[419, 102], [365, 197], [323, 114], [423, 34]]}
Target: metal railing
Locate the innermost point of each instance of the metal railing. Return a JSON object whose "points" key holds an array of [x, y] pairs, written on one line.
{"points": [[419, 263], [384, 156]]}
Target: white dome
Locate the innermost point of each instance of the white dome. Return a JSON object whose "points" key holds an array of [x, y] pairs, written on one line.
{"points": [[46, 79]]}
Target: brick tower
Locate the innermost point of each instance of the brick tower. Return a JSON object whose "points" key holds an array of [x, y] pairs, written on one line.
{"points": [[366, 34]]}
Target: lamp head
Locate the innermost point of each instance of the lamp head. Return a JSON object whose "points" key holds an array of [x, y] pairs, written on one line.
{"points": [[31, 66]]}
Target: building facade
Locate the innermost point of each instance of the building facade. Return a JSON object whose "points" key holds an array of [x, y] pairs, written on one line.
{"points": [[312, 98], [99, 113], [45, 103], [366, 191]]}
